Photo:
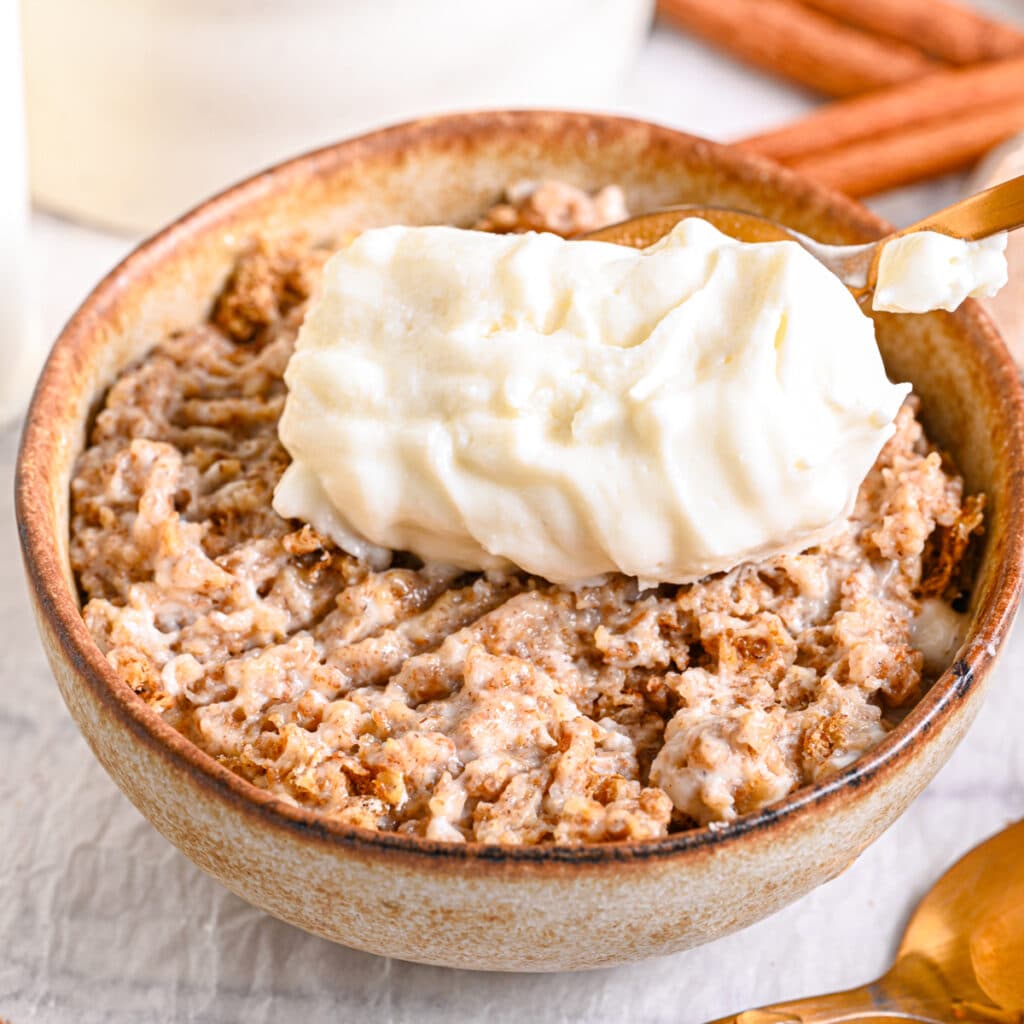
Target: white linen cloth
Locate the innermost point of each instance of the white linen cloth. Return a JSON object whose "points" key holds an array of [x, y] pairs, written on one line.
{"points": [[102, 921]]}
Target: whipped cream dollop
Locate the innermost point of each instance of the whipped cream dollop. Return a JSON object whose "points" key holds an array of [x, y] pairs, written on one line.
{"points": [[578, 408], [926, 270]]}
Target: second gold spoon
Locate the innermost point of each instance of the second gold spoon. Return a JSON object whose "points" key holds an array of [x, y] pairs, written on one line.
{"points": [[961, 958]]}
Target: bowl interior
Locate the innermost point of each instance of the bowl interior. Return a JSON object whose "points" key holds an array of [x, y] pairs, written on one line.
{"points": [[449, 170]]}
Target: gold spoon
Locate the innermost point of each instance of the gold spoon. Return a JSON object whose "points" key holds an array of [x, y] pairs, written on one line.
{"points": [[961, 958], [1000, 208]]}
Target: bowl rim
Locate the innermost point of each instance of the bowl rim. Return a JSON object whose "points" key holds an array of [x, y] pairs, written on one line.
{"points": [[59, 606]]}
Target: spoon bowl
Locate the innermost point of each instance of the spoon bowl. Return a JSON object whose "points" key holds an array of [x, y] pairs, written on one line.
{"points": [[969, 930]]}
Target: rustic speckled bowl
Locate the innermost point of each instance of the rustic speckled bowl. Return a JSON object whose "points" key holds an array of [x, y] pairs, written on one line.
{"points": [[542, 908]]}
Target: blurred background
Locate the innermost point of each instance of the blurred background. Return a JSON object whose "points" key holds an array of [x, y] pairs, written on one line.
{"points": [[118, 115]]}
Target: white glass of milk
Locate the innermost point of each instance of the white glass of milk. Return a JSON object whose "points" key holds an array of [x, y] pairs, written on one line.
{"points": [[162, 102], [19, 349]]}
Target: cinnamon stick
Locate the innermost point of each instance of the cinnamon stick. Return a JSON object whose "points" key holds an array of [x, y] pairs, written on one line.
{"points": [[942, 29], [791, 40], [937, 95], [913, 154]]}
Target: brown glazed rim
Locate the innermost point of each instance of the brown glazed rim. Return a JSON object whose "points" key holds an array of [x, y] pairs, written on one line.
{"points": [[60, 607]]}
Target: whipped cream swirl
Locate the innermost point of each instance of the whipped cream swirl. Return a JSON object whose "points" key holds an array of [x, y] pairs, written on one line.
{"points": [[580, 408]]}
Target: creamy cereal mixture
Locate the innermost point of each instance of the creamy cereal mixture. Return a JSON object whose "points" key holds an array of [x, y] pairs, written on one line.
{"points": [[499, 709]]}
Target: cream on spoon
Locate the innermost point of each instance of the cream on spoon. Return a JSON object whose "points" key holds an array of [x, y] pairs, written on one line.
{"points": [[578, 408]]}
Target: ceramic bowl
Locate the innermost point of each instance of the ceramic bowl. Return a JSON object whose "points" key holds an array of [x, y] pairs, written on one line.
{"points": [[477, 906]]}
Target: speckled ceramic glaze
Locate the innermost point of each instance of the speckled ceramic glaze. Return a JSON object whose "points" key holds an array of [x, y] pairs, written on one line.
{"points": [[537, 908]]}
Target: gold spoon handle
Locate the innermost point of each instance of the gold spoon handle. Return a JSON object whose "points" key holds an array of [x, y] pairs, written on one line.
{"points": [[877, 1003], [1000, 208]]}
